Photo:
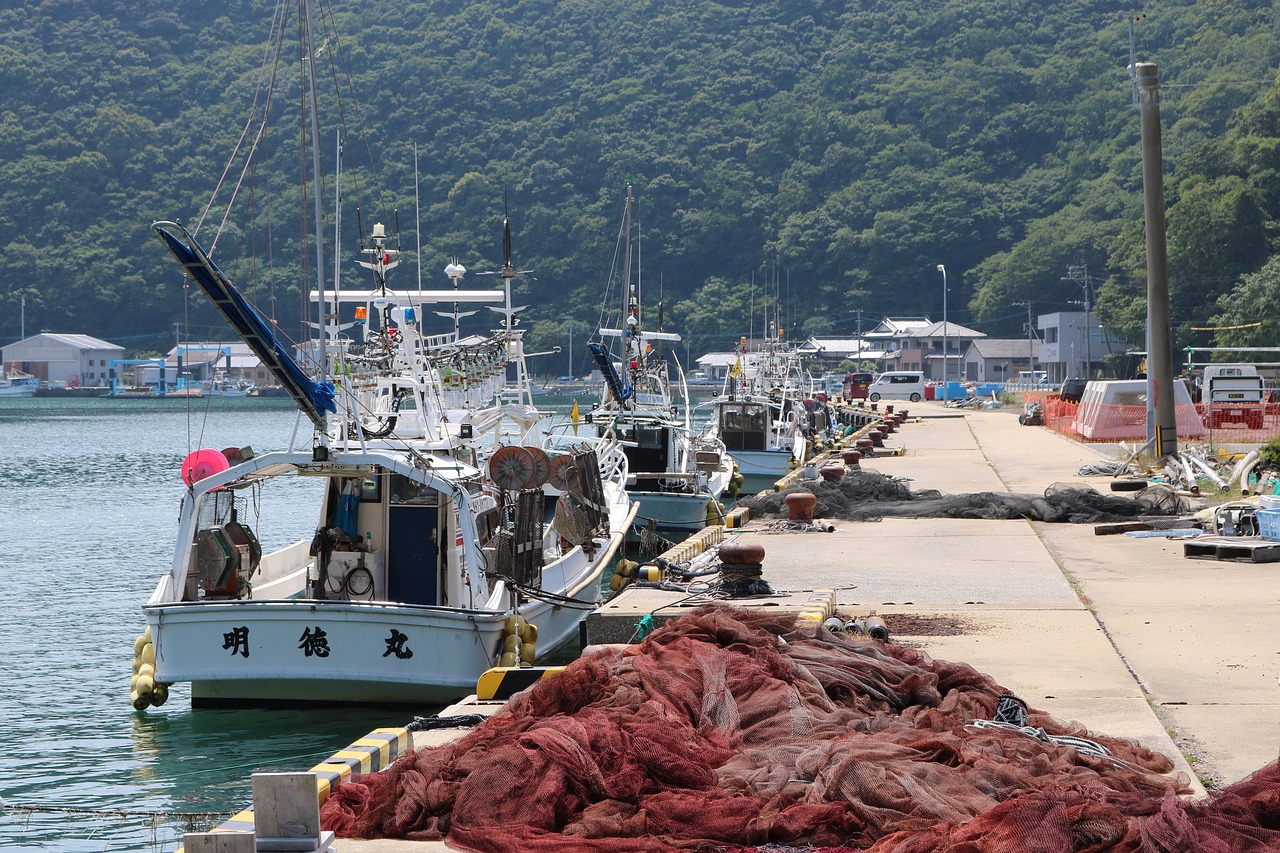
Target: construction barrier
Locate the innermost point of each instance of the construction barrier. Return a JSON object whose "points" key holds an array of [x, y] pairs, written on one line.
{"points": [[1114, 422]]}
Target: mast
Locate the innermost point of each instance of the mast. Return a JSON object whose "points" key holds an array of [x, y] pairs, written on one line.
{"points": [[307, 22]]}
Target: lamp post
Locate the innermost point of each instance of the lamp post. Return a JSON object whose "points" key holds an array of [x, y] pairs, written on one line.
{"points": [[942, 269]]}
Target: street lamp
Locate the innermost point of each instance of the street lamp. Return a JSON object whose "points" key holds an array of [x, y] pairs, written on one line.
{"points": [[942, 269]]}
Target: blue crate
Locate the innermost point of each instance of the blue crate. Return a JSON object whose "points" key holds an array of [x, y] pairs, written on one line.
{"points": [[1269, 524]]}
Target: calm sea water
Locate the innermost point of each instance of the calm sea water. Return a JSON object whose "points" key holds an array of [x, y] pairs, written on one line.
{"points": [[87, 519]]}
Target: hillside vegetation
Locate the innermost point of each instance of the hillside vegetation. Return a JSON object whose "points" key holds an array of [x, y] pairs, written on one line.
{"points": [[829, 152]]}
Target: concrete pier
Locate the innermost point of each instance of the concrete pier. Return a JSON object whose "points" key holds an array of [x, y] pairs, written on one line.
{"points": [[1123, 634]]}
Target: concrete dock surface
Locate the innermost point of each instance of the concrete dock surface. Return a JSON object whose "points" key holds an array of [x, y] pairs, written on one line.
{"points": [[1124, 635]]}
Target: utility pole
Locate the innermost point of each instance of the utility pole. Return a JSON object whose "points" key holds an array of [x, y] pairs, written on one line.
{"points": [[1080, 275], [1162, 425], [942, 269], [1031, 357]]}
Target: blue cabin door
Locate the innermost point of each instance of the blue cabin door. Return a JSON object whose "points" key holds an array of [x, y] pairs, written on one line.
{"points": [[413, 553]]}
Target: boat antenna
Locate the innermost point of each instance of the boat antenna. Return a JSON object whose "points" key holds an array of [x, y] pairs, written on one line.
{"points": [[417, 213], [337, 234]]}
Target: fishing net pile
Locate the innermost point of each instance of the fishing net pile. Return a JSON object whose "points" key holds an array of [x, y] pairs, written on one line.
{"points": [[870, 496], [730, 730]]}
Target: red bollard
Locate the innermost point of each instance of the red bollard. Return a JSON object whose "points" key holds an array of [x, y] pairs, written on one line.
{"points": [[800, 505]]}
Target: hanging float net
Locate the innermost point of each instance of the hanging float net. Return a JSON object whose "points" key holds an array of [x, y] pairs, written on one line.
{"points": [[871, 496], [728, 729]]}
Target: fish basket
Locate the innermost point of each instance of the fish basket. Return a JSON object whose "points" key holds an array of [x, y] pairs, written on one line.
{"points": [[1269, 524]]}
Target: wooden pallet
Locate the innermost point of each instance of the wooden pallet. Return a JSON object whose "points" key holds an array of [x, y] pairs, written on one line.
{"points": [[1239, 549]]}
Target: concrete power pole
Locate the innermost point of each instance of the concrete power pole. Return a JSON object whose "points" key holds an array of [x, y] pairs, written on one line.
{"points": [[1162, 425], [1031, 358]]}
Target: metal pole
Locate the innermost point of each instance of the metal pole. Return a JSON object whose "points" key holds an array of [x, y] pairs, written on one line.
{"points": [[1164, 425], [942, 269], [1088, 330], [1031, 352]]}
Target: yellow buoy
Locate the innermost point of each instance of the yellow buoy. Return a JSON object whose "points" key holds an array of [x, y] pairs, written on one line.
{"points": [[138, 702], [149, 653], [528, 652], [159, 694], [139, 643], [508, 660], [510, 643], [147, 670], [530, 633], [147, 633]]}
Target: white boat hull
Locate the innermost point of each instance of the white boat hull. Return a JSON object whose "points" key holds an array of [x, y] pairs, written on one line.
{"points": [[338, 651]]}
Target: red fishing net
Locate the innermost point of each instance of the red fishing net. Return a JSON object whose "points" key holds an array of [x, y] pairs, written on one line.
{"points": [[729, 729]]}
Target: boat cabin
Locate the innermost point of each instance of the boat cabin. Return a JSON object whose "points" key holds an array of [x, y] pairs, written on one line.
{"points": [[744, 426]]}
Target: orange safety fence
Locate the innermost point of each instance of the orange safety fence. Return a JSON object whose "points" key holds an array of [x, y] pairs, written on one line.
{"points": [[1251, 424]]}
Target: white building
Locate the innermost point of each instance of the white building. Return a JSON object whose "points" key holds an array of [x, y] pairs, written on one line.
{"points": [[1068, 352], [59, 358]]}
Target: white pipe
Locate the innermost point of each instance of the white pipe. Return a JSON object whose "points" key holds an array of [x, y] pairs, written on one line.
{"points": [[1245, 474], [1204, 466], [1248, 459]]}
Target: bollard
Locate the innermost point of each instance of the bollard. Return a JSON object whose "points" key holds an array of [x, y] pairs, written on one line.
{"points": [[800, 505]]}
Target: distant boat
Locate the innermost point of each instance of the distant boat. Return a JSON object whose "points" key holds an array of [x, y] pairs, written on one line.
{"points": [[220, 386], [761, 414], [15, 383]]}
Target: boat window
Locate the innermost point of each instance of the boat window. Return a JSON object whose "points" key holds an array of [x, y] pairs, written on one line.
{"points": [[371, 487], [653, 439], [743, 417], [402, 490]]}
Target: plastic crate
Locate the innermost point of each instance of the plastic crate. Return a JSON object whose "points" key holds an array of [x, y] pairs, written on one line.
{"points": [[1269, 524]]}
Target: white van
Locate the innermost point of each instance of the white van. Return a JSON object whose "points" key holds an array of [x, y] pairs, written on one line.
{"points": [[898, 385]]}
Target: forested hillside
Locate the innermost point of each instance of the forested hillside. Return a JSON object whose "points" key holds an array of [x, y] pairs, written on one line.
{"points": [[830, 151]]}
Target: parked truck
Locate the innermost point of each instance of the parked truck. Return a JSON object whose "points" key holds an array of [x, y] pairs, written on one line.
{"points": [[1233, 395]]}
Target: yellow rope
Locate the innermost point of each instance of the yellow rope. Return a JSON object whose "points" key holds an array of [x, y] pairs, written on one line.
{"points": [[1225, 328]]}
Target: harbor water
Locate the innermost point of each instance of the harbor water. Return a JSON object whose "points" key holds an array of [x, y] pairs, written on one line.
{"points": [[92, 491]]}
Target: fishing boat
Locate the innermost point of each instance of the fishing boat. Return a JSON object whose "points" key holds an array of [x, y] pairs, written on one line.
{"points": [[219, 385], [761, 415], [15, 383], [676, 475], [446, 535]]}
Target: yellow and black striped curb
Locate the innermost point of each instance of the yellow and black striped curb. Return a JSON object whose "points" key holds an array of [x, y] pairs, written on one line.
{"points": [[820, 607], [500, 683], [694, 545], [371, 753]]}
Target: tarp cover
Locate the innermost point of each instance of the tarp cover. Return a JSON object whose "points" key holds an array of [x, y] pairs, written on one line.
{"points": [[727, 729]]}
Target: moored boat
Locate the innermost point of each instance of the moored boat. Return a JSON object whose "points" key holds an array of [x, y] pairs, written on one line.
{"points": [[760, 413], [442, 539], [433, 546], [676, 475], [15, 383]]}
